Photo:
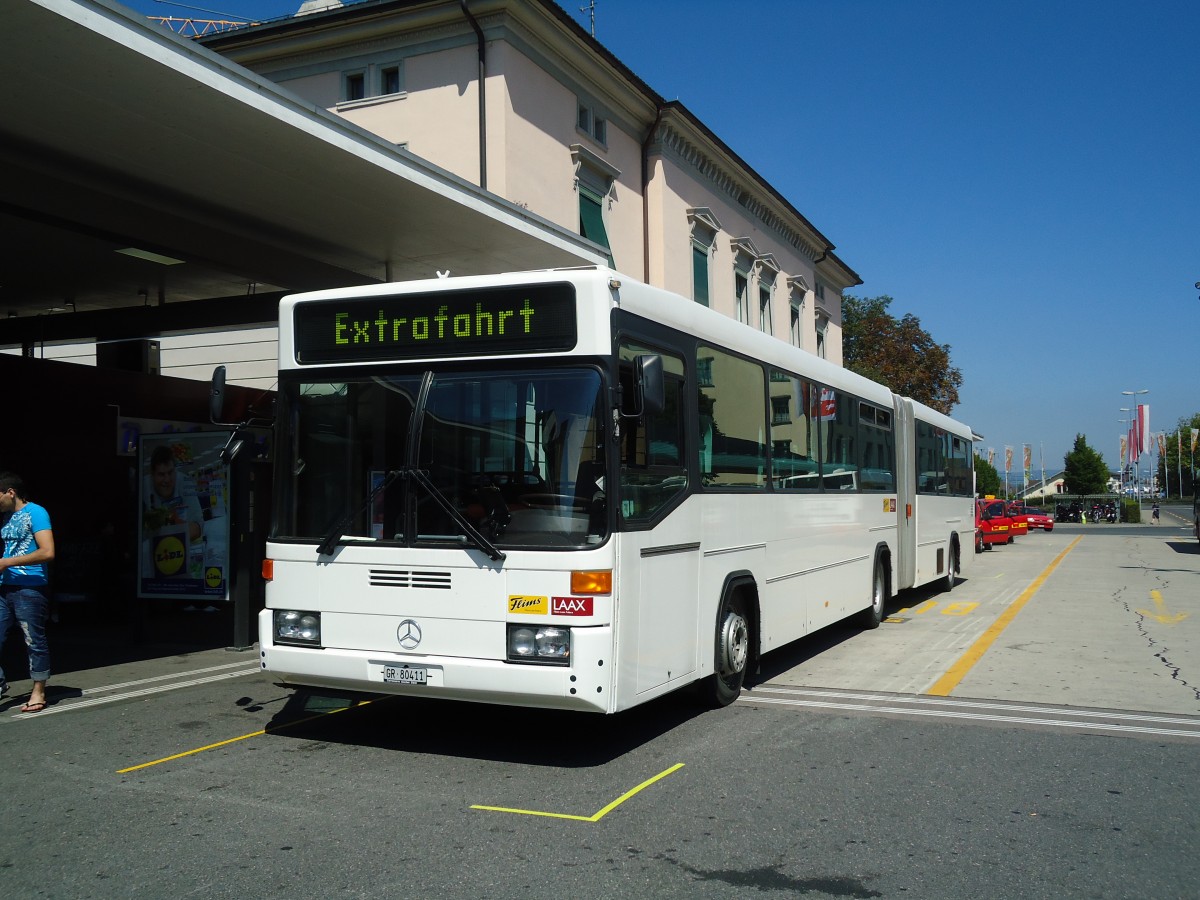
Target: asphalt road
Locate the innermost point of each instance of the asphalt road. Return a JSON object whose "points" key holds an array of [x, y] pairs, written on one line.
{"points": [[1033, 733]]}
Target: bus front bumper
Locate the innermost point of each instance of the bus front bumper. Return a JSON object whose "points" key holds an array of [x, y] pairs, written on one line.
{"points": [[585, 684]]}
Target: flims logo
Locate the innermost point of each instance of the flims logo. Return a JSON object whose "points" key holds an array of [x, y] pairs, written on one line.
{"points": [[523, 605]]}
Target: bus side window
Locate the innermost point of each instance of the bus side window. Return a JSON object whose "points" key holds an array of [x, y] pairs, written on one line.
{"points": [[733, 421], [653, 473]]}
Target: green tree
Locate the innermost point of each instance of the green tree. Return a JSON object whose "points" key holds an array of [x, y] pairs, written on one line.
{"points": [[898, 353], [1172, 468], [987, 479], [1084, 471]]}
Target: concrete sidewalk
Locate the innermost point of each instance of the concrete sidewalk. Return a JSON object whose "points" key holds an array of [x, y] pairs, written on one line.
{"points": [[87, 652]]}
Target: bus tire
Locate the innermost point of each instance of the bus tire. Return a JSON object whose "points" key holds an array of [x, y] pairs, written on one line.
{"points": [[951, 578], [732, 649], [871, 616]]}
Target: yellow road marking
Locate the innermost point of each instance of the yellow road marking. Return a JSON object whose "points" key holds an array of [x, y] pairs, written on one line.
{"points": [[234, 740], [957, 672], [1162, 615], [592, 818]]}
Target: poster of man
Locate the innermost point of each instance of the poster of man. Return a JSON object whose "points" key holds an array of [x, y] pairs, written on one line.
{"points": [[184, 526]]}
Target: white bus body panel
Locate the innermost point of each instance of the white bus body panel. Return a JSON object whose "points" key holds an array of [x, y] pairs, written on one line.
{"points": [[809, 556], [459, 600]]}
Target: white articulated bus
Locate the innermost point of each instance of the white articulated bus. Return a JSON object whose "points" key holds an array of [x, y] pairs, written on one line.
{"points": [[567, 489]]}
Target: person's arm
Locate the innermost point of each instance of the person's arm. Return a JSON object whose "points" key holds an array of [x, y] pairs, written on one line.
{"points": [[43, 554]]}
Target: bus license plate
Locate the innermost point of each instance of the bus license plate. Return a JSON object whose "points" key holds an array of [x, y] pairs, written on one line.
{"points": [[404, 675]]}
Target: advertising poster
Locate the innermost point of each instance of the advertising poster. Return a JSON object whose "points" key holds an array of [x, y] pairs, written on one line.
{"points": [[183, 533]]}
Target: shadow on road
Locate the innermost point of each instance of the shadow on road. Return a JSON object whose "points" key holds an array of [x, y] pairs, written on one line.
{"points": [[1192, 547], [534, 737]]}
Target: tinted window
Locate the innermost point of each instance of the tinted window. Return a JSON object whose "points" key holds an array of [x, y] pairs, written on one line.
{"points": [[733, 423]]}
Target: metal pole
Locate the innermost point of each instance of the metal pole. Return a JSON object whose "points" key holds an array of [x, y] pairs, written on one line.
{"points": [[1179, 459]]}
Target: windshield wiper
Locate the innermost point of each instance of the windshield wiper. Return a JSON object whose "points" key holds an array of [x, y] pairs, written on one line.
{"points": [[476, 537], [421, 478], [331, 539]]}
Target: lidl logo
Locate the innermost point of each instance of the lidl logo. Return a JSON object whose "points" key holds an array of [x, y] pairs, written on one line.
{"points": [[169, 555], [213, 577]]}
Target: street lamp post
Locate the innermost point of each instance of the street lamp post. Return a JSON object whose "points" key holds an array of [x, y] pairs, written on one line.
{"points": [[1138, 464]]}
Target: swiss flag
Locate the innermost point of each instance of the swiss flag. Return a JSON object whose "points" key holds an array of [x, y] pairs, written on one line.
{"points": [[825, 407]]}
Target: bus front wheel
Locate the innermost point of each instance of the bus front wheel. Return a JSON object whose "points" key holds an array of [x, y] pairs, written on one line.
{"points": [[873, 614], [951, 567], [732, 652]]}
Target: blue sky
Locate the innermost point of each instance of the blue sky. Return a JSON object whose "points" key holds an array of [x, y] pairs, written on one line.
{"points": [[1024, 177]]}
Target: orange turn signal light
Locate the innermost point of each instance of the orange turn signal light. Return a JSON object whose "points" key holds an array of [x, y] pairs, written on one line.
{"points": [[592, 582], [268, 569]]}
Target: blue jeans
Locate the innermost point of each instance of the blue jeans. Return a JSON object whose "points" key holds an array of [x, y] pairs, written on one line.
{"points": [[29, 607]]}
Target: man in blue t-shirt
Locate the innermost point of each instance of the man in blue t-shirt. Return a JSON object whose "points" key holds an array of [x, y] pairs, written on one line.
{"points": [[24, 596]]}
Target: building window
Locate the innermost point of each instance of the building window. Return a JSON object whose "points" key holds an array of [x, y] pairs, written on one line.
{"points": [[797, 292], [745, 258], [704, 227], [591, 220], [741, 299], [389, 80], [594, 179], [356, 86], [700, 274], [767, 270], [704, 371], [764, 310], [822, 325], [592, 123]]}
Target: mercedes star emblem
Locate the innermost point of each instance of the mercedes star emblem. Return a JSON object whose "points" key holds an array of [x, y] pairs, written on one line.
{"points": [[408, 634]]}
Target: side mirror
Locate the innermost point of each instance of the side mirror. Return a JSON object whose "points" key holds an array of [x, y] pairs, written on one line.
{"points": [[650, 384], [232, 448], [216, 395]]}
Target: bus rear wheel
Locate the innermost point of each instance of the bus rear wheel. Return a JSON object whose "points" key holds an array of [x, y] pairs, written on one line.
{"points": [[732, 649]]}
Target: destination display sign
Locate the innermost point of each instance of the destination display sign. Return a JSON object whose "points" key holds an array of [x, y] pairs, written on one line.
{"points": [[516, 319]]}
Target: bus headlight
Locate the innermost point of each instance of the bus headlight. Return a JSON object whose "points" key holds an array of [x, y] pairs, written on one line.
{"points": [[293, 626], [539, 643]]}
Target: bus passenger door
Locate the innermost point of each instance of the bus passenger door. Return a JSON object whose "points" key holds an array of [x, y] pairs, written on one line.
{"points": [[906, 497], [659, 551]]}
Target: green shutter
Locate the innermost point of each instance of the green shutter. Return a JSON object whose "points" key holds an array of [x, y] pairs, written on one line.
{"points": [[591, 221], [700, 274]]}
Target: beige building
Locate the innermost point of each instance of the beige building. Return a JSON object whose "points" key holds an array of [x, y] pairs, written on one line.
{"points": [[516, 97]]}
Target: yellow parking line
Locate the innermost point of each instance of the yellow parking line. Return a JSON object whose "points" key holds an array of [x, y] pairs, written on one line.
{"points": [[234, 740], [957, 672], [592, 818]]}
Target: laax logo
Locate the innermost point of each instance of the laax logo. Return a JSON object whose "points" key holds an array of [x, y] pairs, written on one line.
{"points": [[523, 605], [571, 606]]}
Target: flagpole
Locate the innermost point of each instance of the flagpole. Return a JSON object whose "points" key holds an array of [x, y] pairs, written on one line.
{"points": [[1140, 441], [1179, 459]]}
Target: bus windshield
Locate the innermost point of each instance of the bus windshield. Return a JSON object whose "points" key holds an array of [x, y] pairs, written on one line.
{"points": [[515, 456]]}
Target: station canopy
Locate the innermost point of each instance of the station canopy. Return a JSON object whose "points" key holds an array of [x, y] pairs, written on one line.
{"points": [[152, 186]]}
